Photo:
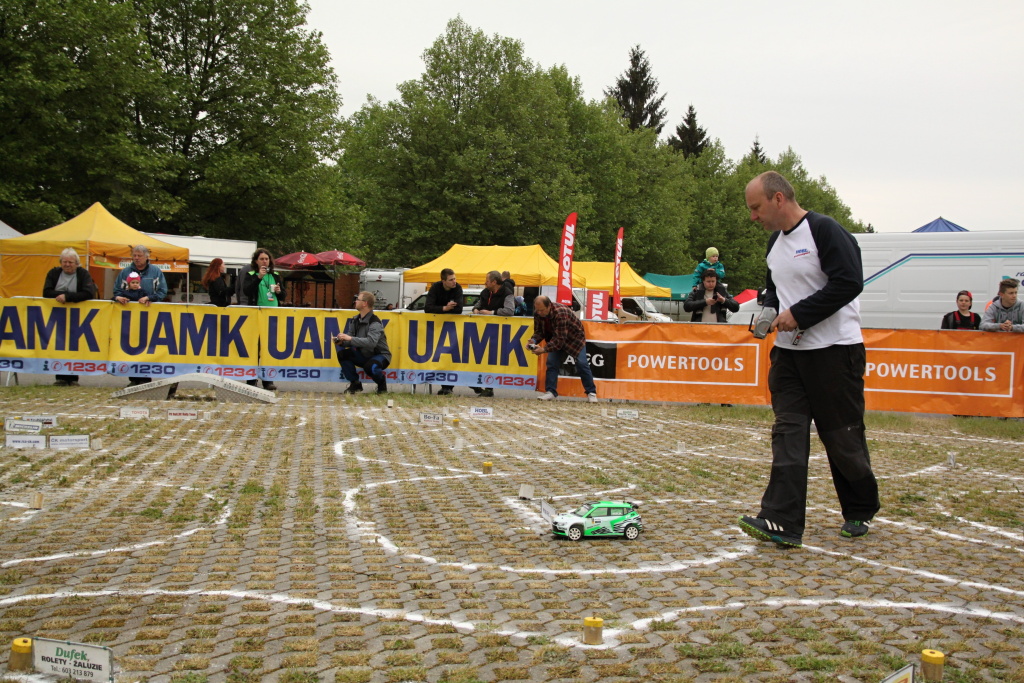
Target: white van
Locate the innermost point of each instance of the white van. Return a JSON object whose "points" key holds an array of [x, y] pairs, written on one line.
{"points": [[911, 279]]}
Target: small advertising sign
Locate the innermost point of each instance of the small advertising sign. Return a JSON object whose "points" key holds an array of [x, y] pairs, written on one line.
{"points": [[433, 419], [904, 675], [74, 660], [69, 441], [47, 420], [481, 412], [26, 441], [546, 511], [134, 413], [19, 426], [182, 414], [627, 414]]}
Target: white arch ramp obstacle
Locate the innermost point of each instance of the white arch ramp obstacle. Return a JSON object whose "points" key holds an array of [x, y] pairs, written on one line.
{"points": [[227, 390]]}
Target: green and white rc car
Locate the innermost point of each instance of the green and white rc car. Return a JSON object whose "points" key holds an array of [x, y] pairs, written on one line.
{"points": [[603, 518]]}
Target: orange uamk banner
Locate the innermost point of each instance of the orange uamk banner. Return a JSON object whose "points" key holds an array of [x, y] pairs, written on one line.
{"points": [[671, 362], [950, 372]]}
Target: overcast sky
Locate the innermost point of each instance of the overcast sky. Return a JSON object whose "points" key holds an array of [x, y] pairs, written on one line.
{"points": [[911, 109]]}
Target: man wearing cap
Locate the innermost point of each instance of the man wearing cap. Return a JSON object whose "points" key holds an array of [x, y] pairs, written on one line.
{"points": [[710, 261]]}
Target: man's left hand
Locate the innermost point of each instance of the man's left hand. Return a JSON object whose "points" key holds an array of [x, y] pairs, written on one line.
{"points": [[785, 322], [59, 298]]}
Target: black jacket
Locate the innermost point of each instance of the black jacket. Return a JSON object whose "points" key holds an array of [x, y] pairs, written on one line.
{"points": [[220, 295], [251, 287], [86, 287], [502, 303], [438, 296], [695, 303]]}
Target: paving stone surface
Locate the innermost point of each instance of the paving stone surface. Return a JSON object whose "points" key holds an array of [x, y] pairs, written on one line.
{"points": [[331, 538]]}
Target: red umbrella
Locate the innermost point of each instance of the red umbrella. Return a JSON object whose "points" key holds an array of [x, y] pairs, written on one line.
{"points": [[299, 259], [338, 258]]}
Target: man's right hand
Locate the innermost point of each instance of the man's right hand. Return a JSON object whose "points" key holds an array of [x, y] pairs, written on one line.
{"points": [[449, 306]]}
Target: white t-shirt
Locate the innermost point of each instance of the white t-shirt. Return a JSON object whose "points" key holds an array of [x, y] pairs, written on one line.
{"points": [[816, 267]]}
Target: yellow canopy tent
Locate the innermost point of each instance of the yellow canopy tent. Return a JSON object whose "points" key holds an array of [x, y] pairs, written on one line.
{"points": [[529, 266], [101, 240], [601, 275]]}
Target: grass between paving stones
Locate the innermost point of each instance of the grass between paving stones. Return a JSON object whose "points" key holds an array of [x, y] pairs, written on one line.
{"points": [[289, 533]]}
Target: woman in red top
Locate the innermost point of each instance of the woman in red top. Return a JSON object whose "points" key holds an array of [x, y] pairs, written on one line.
{"points": [[962, 318]]}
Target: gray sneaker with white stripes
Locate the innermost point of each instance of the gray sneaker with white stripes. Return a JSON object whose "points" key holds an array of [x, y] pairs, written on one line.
{"points": [[767, 530]]}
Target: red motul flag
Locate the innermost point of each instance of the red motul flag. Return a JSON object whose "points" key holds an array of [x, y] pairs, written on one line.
{"points": [[616, 298], [564, 294]]}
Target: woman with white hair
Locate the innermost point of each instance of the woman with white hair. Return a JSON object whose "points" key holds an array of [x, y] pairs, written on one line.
{"points": [[69, 283]]}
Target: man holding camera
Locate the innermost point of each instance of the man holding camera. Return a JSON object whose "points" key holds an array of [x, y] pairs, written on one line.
{"points": [[562, 333], [817, 364]]}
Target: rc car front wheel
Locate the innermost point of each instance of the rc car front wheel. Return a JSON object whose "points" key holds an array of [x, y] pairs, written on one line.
{"points": [[574, 533], [631, 533]]}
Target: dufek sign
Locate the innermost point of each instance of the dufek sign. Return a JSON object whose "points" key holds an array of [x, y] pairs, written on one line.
{"points": [[74, 660]]}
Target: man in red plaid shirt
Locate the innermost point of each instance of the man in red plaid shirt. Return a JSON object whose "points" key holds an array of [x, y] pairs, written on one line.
{"points": [[558, 326]]}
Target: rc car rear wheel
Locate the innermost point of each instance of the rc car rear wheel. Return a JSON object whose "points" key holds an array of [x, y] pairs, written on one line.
{"points": [[631, 533], [574, 533]]}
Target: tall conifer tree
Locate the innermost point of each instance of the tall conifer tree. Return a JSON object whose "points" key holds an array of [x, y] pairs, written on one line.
{"points": [[636, 91], [690, 139]]}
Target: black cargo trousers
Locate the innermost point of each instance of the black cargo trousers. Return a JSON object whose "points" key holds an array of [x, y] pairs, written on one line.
{"points": [[827, 386]]}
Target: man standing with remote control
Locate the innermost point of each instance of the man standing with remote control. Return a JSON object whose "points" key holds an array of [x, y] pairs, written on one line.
{"points": [[817, 364]]}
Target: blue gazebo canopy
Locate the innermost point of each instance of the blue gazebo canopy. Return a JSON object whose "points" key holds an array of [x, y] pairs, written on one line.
{"points": [[940, 224]]}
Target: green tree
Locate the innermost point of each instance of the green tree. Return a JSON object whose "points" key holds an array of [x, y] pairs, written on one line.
{"points": [[215, 117], [636, 91], [635, 183], [720, 220], [69, 70], [690, 138], [244, 116], [475, 151], [756, 153]]}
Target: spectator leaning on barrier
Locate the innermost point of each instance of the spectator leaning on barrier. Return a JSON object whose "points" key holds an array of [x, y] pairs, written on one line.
{"points": [[710, 300], [364, 343], [445, 296], [496, 299], [151, 282], [213, 281], [134, 294], [69, 283], [962, 318], [261, 288], [562, 333], [1006, 314], [817, 364], [262, 285], [151, 279]]}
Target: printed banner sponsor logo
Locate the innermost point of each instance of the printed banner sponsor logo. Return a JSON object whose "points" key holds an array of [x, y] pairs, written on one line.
{"points": [[564, 291], [940, 372]]}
